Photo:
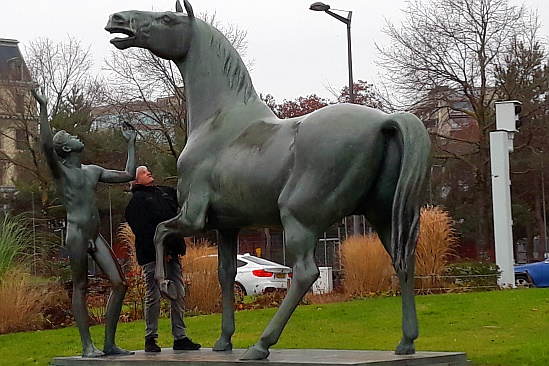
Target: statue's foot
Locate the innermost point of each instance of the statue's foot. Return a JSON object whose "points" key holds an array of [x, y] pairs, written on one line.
{"points": [[405, 347], [115, 350], [254, 353], [92, 352], [167, 289], [222, 345]]}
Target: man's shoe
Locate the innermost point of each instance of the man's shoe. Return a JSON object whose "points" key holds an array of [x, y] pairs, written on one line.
{"points": [[185, 344], [151, 346]]}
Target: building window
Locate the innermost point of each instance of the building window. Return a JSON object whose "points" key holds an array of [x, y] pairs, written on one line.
{"points": [[20, 102], [20, 139]]}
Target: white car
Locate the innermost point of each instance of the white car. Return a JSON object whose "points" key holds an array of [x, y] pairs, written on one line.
{"points": [[256, 275]]}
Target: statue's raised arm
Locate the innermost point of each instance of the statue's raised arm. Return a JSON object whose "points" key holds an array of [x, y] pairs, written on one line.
{"points": [[116, 176], [46, 135]]}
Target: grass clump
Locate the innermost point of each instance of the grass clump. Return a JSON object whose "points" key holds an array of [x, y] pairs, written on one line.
{"points": [[15, 238]]}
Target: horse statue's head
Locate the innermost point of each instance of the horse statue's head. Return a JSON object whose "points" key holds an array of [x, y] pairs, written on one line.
{"points": [[166, 34]]}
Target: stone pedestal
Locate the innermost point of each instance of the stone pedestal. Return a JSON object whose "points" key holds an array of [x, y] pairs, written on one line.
{"points": [[278, 357]]}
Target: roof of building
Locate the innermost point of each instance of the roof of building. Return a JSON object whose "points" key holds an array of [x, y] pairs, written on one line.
{"points": [[12, 64]]}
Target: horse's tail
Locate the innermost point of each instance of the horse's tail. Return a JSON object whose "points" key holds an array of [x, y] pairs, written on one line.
{"points": [[415, 150]]}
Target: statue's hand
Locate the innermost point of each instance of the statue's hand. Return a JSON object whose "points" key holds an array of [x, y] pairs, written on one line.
{"points": [[39, 96], [128, 131]]}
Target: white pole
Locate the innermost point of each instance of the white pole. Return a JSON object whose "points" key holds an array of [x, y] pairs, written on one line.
{"points": [[501, 196]]}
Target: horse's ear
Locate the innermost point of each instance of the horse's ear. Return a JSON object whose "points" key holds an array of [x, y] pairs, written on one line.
{"points": [[178, 7], [188, 8]]}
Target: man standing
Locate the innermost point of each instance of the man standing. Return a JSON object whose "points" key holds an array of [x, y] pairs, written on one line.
{"points": [[75, 183], [149, 206]]}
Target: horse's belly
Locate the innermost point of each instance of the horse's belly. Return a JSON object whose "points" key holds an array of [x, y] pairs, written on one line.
{"points": [[248, 187]]}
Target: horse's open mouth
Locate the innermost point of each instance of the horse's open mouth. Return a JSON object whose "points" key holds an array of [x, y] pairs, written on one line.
{"points": [[122, 42]]}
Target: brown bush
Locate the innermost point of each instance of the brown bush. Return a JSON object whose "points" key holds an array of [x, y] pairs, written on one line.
{"points": [[435, 247], [200, 274], [368, 268], [20, 301], [135, 296]]}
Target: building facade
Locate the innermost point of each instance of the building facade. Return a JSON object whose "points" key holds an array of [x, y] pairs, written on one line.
{"points": [[17, 113]]}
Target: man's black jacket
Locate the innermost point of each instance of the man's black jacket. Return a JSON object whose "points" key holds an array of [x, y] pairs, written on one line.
{"points": [[149, 206]]}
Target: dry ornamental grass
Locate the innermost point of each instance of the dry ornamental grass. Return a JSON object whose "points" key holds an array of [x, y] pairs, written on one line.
{"points": [[20, 301], [368, 269]]}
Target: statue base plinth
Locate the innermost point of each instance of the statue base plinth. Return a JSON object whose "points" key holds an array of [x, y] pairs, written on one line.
{"points": [[278, 357]]}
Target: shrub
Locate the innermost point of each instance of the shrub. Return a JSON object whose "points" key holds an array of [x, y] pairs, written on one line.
{"points": [[478, 276]]}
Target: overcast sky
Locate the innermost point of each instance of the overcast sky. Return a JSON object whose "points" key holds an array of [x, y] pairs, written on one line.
{"points": [[296, 51]]}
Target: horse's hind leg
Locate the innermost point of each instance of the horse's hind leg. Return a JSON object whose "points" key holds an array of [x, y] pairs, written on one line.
{"points": [[227, 271], [300, 244], [410, 329]]}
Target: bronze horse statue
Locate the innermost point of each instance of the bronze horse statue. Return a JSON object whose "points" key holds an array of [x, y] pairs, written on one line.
{"points": [[242, 166]]}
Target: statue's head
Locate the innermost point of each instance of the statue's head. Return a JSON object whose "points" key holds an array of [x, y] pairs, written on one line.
{"points": [[166, 34], [64, 143]]}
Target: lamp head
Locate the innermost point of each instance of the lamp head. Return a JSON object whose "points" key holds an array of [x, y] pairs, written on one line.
{"points": [[319, 6]]}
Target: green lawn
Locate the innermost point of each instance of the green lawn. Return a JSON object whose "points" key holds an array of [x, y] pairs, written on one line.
{"points": [[494, 328]]}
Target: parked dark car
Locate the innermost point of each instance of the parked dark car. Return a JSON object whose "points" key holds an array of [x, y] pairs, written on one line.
{"points": [[533, 274]]}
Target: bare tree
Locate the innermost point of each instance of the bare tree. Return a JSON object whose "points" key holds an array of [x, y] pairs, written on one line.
{"points": [[443, 59]]}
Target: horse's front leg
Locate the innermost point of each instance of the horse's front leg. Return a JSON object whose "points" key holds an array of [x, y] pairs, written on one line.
{"points": [[163, 230], [300, 245], [227, 271]]}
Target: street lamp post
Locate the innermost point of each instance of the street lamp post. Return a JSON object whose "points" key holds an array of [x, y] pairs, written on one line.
{"points": [[318, 6]]}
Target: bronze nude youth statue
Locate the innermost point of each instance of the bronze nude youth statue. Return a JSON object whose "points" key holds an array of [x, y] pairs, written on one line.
{"points": [[75, 183], [243, 166]]}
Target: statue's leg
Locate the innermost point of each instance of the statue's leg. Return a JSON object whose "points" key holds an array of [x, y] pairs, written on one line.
{"points": [[300, 244], [106, 260], [410, 327], [190, 220], [227, 247], [78, 253], [162, 231]]}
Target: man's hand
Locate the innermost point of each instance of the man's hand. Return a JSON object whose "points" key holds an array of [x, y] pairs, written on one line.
{"points": [[128, 131], [40, 97]]}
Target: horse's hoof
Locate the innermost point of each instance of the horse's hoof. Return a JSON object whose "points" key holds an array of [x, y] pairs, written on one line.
{"points": [[254, 353], [405, 348], [167, 289], [221, 345]]}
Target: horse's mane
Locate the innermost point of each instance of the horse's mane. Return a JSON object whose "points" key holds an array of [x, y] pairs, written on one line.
{"points": [[233, 66]]}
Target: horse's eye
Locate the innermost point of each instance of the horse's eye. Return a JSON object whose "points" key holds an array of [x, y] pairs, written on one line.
{"points": [[167, 19]]}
